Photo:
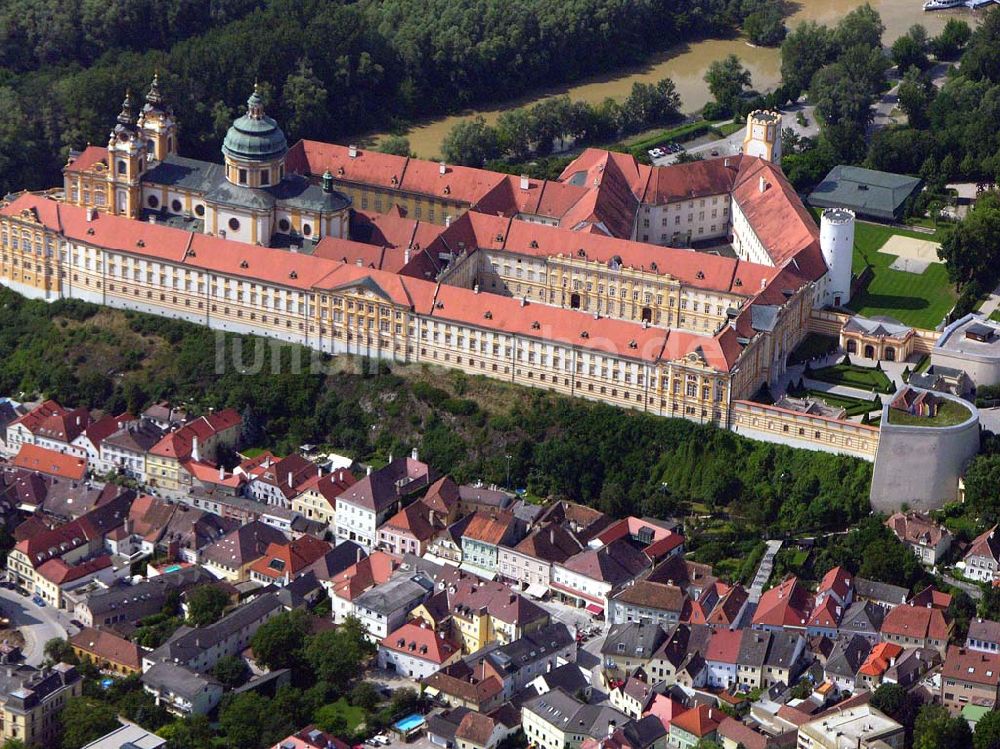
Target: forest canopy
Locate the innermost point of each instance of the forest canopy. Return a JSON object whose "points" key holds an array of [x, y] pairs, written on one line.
{"points": [[328, 68]]}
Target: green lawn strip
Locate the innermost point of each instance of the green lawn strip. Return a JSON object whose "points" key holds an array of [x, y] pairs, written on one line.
{"points": [[728, 128], [949, 413], [995, 315], [850, 375]]}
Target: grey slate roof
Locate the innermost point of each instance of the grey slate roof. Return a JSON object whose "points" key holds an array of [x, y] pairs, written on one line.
{"points": [[531, 648], [122, 596], [862, 617], [783, 645], [188, 642], [763, 317], [561, 710], [847, 656], [568, 677], [984, 630], [866, 191], [754, 645], [634, 639], [298, 192], [395, 594], [185, 173], [178, 680], [877, 591]]}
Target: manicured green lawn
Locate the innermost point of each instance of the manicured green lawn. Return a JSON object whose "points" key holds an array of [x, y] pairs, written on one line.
{"points": [[918, 300], [850, 375], [949, 414], [352, 714], [728, 128], [995, 315]]}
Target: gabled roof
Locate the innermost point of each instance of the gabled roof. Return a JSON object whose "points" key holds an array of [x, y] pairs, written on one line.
{"points": [[50, 462], [724, 646], [972, 665], [416, 520], [918, 622], [34, 418], [699, 721], [837, 580], [364, 574], [549, 543], [879, 659], [786, 604], [289, 558], [986, 545], [64, 426], [489, 527], [420, 641], [103, 645]]}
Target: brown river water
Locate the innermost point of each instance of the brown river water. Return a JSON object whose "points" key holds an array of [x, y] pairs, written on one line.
{"points": [[686, 65]]}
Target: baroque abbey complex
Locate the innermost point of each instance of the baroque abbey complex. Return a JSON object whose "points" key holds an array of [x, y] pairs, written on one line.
{"points": [[676, 290]]}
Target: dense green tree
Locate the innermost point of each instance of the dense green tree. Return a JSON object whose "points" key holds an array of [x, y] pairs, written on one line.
{"points": [[765, 26], [58, 650], [952, 39], [727, 79], [861, 27], [278, 642], [908, 52], [987, 733], [335, 656], [898, 703], [365, 695], [192, 732], [915, 96], [470, 143], [305, 97], [935, 728], [84, 719], [971, 251], [205, 605], [515, 130], [981, 59], [231, 671], [398, 145], [804, 51]]}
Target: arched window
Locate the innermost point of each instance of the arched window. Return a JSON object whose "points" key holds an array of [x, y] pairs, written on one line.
{"points": [[890, 353], [122, 167], [150, 146], [852, 347], [199, 210], [283, 224], [153, 202], [307, 230], [234, 224], [175, 205]]}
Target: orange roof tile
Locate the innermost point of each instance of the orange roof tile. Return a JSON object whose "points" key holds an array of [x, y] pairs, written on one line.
{"points": [[50, 462], [87, 158], [422, 642]]}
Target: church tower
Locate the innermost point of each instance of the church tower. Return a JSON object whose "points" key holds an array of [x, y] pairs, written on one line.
{"points": [[157, 125], [763, 135], [126, 162]]}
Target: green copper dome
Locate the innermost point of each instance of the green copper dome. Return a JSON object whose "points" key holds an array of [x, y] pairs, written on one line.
{"points": [[255, 136]]}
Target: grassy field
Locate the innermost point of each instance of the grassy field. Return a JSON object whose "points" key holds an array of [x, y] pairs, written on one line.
{"points": [[949, 414], [352, 714], [850, 375], [919, 300]]}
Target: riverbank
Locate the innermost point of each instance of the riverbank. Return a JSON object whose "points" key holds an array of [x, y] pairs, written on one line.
{"points": [[686, 64]]}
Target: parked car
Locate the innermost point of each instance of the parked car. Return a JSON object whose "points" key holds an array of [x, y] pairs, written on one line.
{"points": [[76, 623], [38, 600]]}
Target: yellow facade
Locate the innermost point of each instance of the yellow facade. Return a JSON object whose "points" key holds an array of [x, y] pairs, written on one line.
{"points": [[29, 254], [38, 726], [417, 206], [313, 505]]}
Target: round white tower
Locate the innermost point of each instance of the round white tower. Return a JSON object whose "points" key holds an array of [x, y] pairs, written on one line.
{"points": [[836, 241]]}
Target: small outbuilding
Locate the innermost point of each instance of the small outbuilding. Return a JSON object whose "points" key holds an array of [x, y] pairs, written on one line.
{"points": [[882, 196]]}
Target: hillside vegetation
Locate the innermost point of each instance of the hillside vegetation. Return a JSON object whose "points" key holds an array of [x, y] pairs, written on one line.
{"points": [[621, 461], [328, 69]]}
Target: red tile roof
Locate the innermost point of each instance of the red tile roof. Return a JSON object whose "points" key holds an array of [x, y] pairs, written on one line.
{"points": [[50, 462], [785, 605], [971, 665], [87, 158], [58, 572], [699, 721], [64, 426], [420, 641], [371, 571], [724, 646], [915, 621], [489, 527], [837, 580], [180, 444], [34, 418], [880, 659], [105, 646], [290, 558]]}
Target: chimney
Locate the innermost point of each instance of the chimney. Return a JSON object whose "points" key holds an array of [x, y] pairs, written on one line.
{"points": [[195, 455], [414, 455], [91, 214], [552, 536], [726, 163], [762, 185], [523, 301], [524, 182], [447, 221], [319, 472], [291, 485], [369, 471], [352, 152], [475, 288], [442, 168], [358, 560], [390, 457], [152, 218], [222, 473], [611, 728], [433, 516], [406, 255]]}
